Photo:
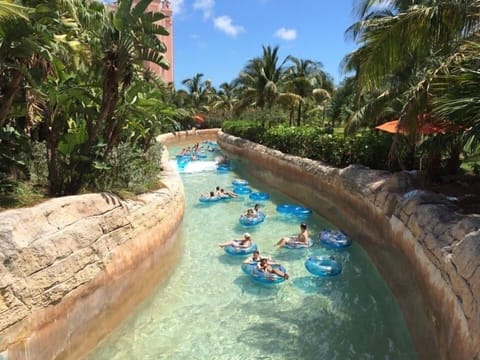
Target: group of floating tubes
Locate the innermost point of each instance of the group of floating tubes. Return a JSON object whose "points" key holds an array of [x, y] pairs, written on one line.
{"points": [[261, 276], [292, 209], [323, 266], [238, 250], [334, 239], [251, 221]]}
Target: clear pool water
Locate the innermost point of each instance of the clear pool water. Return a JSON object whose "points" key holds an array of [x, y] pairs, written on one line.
{"points": [[209, 309]]}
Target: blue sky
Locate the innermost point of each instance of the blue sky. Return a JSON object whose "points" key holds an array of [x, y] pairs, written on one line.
{"points": [[218, 37]]}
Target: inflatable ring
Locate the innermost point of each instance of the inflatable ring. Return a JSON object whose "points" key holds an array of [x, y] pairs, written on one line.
{"points": [[223, 168], [242, 190], [301, 211], [259, 196], [250, 221], [286, 208], [265, 278], [210, 199], [323, 266], [298, 246], [201, 155], [183, 161], [235, 250], [239, 182], [335, 239]]}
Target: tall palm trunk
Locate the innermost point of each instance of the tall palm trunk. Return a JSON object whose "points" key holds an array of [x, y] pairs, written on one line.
{"points": [[299, 113], [12, 91]]}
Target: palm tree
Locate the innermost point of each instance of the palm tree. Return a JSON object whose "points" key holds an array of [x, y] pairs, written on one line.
{"points": [[8, 9], [259, 80], [225, 99], [302, 77], [129, 37], [403, 45]]}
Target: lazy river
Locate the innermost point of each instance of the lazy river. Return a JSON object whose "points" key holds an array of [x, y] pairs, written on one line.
{"points": [[209, 309]]}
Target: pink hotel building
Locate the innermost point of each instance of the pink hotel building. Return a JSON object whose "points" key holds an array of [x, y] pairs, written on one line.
{"points": [[164, 7]]}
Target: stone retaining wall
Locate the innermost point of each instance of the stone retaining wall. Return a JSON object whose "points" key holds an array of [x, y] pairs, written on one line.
{"points": [[428, 253], [73, 267]]}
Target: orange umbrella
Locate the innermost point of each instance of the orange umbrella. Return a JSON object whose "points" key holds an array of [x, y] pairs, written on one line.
{"points": [[428, 128], [390, 127], [198, 118]]}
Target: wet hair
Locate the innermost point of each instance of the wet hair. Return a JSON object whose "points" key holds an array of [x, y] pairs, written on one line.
{"points": [[303, 225], [217, 188], [256, 252], [212, 193]]}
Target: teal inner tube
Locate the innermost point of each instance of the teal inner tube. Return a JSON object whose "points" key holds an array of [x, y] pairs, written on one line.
{"points": [[323, 266], [265, 278], [334, 239], [239, 182], [251, 221], [259, 196], [298, 246], [236, 250], [242, 190]]}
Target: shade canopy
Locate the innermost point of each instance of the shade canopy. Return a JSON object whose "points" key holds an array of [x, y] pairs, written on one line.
{"points": [[427, 128]]}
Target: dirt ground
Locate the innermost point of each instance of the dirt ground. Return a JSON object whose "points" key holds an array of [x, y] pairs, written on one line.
{"points": [[463, 190]]}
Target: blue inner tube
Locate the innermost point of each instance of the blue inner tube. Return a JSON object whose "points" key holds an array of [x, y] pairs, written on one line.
{"points": [[259, 196], [235, 250], [286, 208], [210, 199], [183, 161], [301, 211], [250, 221], [335, 239], [239, 182], [323, 266], [265, 278], [200, 155], [242, 190], [299, 246], [223, 168]]}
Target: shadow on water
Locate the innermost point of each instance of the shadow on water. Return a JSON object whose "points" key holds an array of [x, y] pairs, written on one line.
{"points": [[252, 287], [288, 333], [232, 260], [311, 284]]}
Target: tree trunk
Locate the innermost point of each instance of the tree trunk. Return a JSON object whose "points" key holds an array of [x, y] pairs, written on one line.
{"points": [[12, 91], [299, 113]]}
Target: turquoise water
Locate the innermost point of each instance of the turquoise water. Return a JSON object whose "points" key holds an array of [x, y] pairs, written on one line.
{"points": [[209, 309]]}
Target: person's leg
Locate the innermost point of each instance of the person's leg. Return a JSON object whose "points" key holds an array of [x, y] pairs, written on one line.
{"points": [[280, 273], [282, 241]]}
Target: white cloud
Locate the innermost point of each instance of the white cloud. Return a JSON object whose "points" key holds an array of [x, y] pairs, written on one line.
{"points": [[206, 6], [224, 23], [286, 34], [177, 6]]}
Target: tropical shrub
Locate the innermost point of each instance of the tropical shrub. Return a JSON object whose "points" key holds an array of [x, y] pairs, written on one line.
{"points": [[250, 130]]}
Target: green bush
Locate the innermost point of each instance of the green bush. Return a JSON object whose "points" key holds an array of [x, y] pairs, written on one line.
{"points": [[129, 169], [250, 130], [367, 148]]}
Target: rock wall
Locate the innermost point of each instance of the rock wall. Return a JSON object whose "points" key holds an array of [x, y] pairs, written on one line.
{"points": [[428, 253], [184, 137], [73, 267]]}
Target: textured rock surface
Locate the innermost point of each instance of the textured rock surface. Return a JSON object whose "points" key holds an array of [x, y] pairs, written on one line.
{"points": [[71, 266], [428, 253]]}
